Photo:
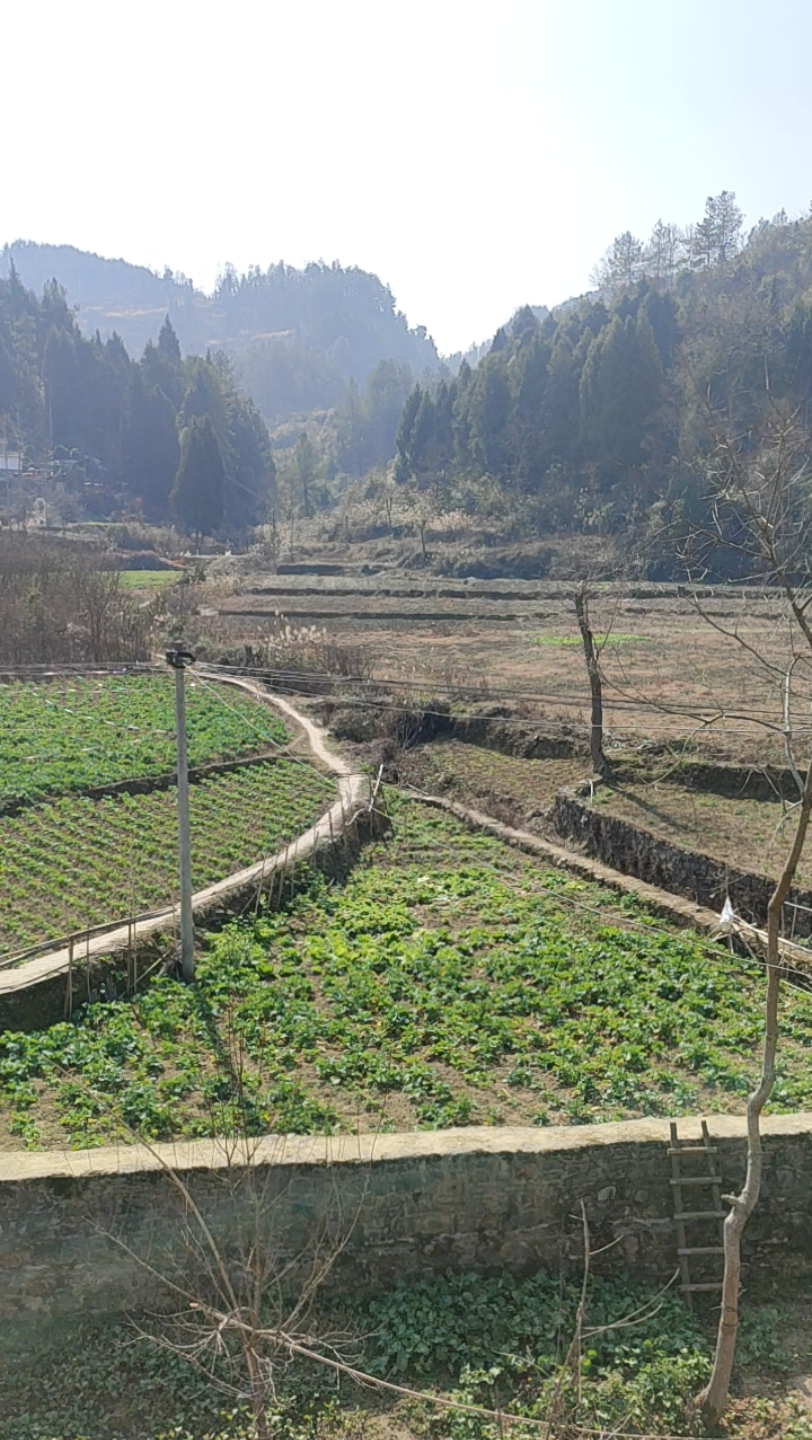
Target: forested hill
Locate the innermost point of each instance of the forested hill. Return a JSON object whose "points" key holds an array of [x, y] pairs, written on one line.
{"points": [[118, 432], [600, 416], [297, 336], [109, 295]]}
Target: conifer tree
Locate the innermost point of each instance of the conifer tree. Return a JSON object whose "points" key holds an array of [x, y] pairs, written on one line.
{"points": [[150, 452], [168, 343], [198, 494]]}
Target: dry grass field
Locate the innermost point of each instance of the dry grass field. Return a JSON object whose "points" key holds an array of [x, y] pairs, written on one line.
{"points": [[671, 673], [680, 676]]}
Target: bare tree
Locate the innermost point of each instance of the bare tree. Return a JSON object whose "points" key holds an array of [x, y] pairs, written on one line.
{"points": [[241, 1297], [593, 670], [60, 601], [760, 509]]}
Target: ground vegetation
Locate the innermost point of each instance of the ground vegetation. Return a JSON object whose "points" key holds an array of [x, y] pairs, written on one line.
{"points": [[77, 862], [448, 982], [75, 733], [493, 1343]]}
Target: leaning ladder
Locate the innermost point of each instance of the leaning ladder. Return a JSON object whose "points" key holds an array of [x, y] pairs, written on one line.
{"points": [[709, 1181]]}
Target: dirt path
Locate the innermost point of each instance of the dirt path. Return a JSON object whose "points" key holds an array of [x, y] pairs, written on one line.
{"points": [[315, 735], [354, 791]]}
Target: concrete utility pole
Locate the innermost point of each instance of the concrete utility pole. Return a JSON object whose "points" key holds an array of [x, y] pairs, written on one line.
{"points": [[179, 659]]}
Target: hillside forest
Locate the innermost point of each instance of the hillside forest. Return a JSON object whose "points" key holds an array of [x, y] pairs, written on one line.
{"points": [[115, 428], [601, 417], [597, 417]]}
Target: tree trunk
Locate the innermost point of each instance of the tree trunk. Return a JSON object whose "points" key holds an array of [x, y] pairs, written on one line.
{"points": [[713, 1399], [259, 1409], [595, 684]]}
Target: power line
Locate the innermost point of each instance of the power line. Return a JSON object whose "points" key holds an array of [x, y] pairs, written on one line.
{"points": [[282, 747], [425, 684], [431, 685], [710, 949]]}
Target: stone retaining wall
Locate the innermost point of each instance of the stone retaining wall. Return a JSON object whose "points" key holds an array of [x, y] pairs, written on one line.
{"points": [[406, 1205], [636, 851]]}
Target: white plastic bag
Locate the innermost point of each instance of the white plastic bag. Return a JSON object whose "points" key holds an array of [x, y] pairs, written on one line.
{"points": [[727, 917]]}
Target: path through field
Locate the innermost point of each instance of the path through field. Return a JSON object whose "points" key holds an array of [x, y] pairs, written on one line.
{"points": [[353, 789]]}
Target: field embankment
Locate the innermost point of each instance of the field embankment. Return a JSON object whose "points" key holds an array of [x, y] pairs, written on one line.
{"points": [[450, 981]]}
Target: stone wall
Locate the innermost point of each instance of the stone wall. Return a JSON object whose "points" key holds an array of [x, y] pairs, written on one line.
{"points": [[405, 1205], [635, 851]]}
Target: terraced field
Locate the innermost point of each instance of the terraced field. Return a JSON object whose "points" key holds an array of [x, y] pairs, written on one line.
{"points": [[735, 830], [450, 981], [73, 858], [76, 862], [665, 666], [512, 788], [73, 734]]}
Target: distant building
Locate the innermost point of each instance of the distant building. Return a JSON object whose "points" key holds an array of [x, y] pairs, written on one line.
{"points": [[11, 461]]}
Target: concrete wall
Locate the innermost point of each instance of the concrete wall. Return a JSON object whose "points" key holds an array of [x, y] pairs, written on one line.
{"points": [[407, 1205]]}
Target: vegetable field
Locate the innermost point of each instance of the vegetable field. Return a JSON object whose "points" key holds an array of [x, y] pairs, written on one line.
{"points": [[77, 862], [451, 981], [66, 735]]}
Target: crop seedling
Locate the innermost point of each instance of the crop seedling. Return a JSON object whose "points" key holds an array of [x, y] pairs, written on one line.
{"points": [[447, 979]]}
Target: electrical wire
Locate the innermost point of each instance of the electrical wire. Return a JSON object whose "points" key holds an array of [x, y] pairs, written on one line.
{"points": [[430, 684], [282, 747], [433, 686], [366, 702], [710, 948]]}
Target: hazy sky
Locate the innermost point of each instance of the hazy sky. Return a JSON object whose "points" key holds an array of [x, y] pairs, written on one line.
{"points": [[476, 156]]}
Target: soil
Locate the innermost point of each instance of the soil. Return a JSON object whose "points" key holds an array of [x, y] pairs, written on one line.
{"points": [[672, 669], [747, 834]]}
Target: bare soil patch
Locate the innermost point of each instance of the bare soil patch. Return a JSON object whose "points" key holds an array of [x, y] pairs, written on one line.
{"points": [[670, 672], [743, 833]]}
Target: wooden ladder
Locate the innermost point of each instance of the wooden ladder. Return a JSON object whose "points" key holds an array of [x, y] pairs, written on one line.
{"points": [[684, 1214]]}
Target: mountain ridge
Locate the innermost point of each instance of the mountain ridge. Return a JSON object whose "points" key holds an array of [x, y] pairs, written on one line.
{"points": [[343, 314]]}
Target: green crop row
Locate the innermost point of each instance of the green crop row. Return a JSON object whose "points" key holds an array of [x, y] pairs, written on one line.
{"points": [[76, 862], [449, 982], [64, 735]]}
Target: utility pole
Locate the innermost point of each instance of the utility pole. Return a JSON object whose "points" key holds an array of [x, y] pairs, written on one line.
{"points": [[178, 659]]}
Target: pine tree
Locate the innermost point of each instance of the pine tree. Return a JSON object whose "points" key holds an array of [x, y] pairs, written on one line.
{"points": [[168, 344], [622, 265], [150, 446], [198, 494], [405, 435], [163, 367], [250, 489], [619, 390], [717, 237]]}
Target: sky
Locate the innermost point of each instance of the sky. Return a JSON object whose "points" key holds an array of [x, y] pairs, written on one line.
{"points": [[476, 156]]}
